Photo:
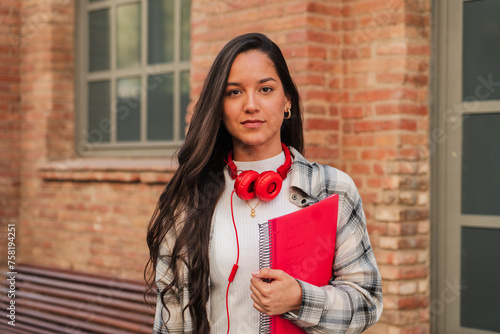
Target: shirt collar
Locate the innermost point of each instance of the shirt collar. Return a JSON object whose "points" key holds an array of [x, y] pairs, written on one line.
{"points": [[301, 176]]}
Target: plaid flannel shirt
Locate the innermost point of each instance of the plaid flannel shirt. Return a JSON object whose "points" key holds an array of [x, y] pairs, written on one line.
{"points": [[350, 303]]}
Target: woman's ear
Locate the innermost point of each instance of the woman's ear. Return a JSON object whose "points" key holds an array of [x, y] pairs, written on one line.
{"points": [[288, 102]]}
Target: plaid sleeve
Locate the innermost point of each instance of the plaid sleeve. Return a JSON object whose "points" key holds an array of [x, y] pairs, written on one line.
{"points": [[352, 301], [164, 315], [170, 320], [311, 309]]}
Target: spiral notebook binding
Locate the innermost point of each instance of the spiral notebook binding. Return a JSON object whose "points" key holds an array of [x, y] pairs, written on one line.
{"points": [[265, 261], [265, 246], [265, 323]]}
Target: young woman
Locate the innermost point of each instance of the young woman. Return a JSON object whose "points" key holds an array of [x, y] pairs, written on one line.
{"points": [[248, 118]]}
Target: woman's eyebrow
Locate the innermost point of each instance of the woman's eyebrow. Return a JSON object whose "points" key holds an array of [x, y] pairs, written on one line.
{"points": [[261, 81], [266, 80]]}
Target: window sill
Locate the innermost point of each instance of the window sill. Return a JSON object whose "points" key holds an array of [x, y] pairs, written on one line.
{"points": [[136, 170]]}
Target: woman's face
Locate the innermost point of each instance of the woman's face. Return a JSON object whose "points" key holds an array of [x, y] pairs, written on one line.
{"points": [[254, 103]]}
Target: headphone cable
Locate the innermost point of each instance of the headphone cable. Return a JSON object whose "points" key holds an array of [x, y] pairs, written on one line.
{"points": [[235, 266]]}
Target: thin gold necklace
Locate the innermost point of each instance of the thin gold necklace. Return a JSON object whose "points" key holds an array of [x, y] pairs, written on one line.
{"points": [[252, 210]]}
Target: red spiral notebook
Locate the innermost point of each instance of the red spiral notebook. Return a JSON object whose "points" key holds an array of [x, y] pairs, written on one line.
{"points": [[302, 244]]}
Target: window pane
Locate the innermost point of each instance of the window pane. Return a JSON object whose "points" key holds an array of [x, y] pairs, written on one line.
{"points": [[481, 164], [128, 109], [160, 31], [161, 107], [99, 51], [480, 279], [184, 101], [481, 50], [128, 43], [98, 112], [186, 30]]}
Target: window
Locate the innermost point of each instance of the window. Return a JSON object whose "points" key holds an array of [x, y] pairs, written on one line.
{"points": [[133, 87]]}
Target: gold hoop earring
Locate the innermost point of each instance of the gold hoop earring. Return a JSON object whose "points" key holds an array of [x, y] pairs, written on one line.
{"points": [[288, 114]]}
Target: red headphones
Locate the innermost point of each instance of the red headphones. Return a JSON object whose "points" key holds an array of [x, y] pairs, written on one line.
{"points": [[266, 186]]}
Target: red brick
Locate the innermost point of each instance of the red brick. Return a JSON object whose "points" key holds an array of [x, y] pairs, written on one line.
{"points": [[320, 8], [406, 242], [321, 124], [363, 140], [386, 139], [413, 329], [379, 154], [315, 109], [412, 154], [404, 272], [330, 154], [379, 169], [376, 227], [392, 48], [310, 79], [331, 38], [352, 112], [417, 20], [346, 154], [369, 34], [321, 95], [380, 95], [413, 302], [352, 140], [418, 80], [360, 168], [391, 77], [351, 53], [400, 318], [371, 197], [408, 109], [415, 214], [369, 126], [333, 110], [377, 64], [320, 138], [422, 49], [297, 7], [408, 124], [309, 51], [400, 257], [285, 23], [373, 6], [349, 23], [402, 228]]}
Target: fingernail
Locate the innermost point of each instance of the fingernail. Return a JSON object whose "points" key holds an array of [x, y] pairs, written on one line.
{"points": [[255, 273]]}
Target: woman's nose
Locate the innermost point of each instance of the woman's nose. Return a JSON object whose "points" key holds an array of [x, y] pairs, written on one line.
{"points": [[251, 103]]}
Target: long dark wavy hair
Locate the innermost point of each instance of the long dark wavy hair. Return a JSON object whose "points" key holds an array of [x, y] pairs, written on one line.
{"points": [[189, 199]]}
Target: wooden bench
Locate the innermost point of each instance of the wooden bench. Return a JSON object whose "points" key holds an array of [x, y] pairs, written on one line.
{"points": [[49, 300]]}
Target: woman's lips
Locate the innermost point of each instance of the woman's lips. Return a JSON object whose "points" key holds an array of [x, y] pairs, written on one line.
{"points": [[252, 123]]}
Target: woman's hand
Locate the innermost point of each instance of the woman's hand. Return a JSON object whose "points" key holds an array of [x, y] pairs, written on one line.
{"points": [[282, 295]]}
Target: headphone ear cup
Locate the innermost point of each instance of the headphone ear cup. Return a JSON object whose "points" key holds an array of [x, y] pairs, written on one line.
{"points": [[244, 185], [268, 185]]}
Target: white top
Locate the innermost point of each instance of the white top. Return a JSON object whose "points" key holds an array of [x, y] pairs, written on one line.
{"points": [[244, 317]]}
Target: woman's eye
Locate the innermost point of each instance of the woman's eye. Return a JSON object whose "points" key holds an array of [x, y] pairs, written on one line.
{"points": [[232, 92], [267, 89]]}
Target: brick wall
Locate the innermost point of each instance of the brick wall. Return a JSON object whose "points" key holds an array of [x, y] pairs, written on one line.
{"points": [[10, 120], [92, 216], [77, 213], [362, 70], [384, 147], [46, 84]]}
